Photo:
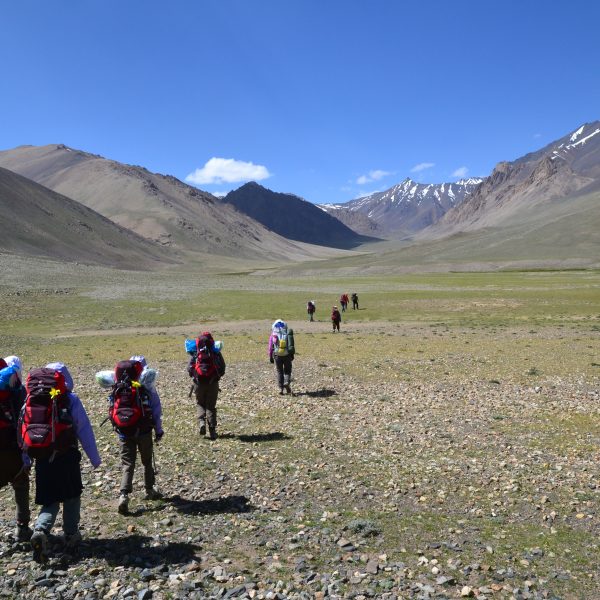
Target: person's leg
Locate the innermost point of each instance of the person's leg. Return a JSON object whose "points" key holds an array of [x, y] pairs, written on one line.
{"points": [[200, 390], [43, 526], [71, 516], [287, 374], [46, 518], [128, 456], [279, 372], [146, 447], [20, 486], [211, 408]]}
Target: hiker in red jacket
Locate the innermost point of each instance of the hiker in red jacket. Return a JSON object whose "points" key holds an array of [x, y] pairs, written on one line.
{"points": [[344, 301], [336, 318]]}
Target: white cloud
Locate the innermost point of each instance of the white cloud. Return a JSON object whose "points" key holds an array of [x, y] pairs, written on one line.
{"points": [[220, 194], [228, 170], [421, 167], [460, 172], [374, 175], [537, 136]]}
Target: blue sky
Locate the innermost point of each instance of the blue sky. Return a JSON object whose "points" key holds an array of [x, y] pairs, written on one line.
{"points": [[327, 99]]}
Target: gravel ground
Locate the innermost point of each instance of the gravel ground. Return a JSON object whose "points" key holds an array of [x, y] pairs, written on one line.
{"points": [[354, 487]]}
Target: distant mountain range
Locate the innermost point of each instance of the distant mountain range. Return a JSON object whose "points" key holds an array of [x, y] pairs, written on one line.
{"points": [[404, 208], [68, 204], [159, 208], [292, 217]]}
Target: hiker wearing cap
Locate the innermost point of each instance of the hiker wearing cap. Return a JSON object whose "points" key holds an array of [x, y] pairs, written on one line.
{"points": [[281, 352], [135, 384], [354, 301], [311, 307], [206, 367], [14, 464], [56, 452], [336, 318]]}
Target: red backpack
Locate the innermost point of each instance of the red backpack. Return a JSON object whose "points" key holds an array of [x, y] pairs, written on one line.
{"points": [[205, 367], [45, 424], [129, 403]]}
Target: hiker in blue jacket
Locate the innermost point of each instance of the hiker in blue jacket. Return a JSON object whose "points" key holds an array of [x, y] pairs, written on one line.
{"points": [[14, 464], [58, 478]]}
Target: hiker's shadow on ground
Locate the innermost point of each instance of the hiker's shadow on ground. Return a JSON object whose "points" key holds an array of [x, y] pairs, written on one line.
{"points": [[226, 504], [133, 550], [274, 436], [322, 393]]}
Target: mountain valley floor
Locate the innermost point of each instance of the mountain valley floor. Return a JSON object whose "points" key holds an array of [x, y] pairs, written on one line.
{"points": [[445, 443]]}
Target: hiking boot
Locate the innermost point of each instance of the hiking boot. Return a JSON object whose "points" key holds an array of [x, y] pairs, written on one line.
{"points": [[212, 434], [123, 506], [39, 545], [288, 389], [23, 532], [202, 429], [281, 391], [152, 494], [72, 540]]}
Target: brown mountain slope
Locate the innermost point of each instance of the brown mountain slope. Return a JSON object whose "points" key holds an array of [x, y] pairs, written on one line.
{"points": [[158, 207], [40, 222], [564, 168]]}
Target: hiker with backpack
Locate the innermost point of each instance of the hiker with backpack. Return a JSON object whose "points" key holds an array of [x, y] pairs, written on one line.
{"points": [[206, 367], [344, 301], [311, 307], [135, 411], [14, 465], [336, 319], [52, 424], [281, 353], [354, 301]]}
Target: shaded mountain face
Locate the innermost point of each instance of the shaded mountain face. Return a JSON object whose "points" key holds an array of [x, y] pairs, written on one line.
{"points": [[407, 207], [292, 217], [160, 208], [567, 167], [40, 222]]}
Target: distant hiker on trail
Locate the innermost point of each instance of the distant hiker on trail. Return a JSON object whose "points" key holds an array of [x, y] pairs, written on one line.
{"points": [[206, 367], [134, 409], [52, 425], [14, 465], [336, 318], [344, 302], [355, 301], [281, 352], [311, 307]]}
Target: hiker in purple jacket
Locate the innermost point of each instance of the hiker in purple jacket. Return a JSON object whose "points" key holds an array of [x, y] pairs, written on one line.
{"points": [[144, 444], [58, 478]]}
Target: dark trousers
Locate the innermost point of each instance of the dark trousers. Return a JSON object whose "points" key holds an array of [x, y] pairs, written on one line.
{"points": [[206, 400], [11, 471], [354, 304], [129, 450], [283, 369], [336, 325]]}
